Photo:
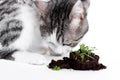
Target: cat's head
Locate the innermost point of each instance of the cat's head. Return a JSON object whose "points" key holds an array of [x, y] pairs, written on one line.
{"points": [[68, 17]]}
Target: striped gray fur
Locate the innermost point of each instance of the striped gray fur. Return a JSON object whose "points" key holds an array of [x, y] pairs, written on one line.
{"points": [[60, 19], [6, 53], [58, 16], [10, 32], [7, 9], [10, 28]]}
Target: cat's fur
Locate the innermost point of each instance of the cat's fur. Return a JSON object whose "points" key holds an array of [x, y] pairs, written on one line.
{"points": [[29, 28]]}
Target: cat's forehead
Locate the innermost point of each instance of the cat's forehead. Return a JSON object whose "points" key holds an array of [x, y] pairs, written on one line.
{"points": [[61, 6], [62, 3], [50, 5]]}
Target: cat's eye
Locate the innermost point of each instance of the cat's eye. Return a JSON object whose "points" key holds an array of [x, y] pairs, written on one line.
{"points": [[78, 38], [68, 44]]}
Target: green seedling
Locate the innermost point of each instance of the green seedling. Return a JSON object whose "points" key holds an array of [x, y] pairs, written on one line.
{"points": [[82, 56], [56, 68], [76, 51], [84, 50]]}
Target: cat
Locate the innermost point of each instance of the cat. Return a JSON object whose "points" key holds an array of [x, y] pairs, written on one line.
{"points": [[30, 28]]}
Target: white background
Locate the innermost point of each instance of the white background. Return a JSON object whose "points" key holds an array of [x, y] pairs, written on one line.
{"points": [[104, 21]]}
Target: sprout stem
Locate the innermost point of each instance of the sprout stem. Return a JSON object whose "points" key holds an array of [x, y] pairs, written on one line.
{"points": [[89, 56]]}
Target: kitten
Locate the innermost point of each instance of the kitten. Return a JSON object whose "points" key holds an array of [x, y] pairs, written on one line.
{"points": [[29, 28]]}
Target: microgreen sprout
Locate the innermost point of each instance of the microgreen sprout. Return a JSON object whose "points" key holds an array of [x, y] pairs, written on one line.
{"points": [[82, 55], [76, 51], [56, 68], [86, 49]]}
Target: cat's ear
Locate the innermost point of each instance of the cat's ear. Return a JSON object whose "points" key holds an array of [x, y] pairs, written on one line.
{"points": [[77, 10], [80, 9], [41, 5], [77, 17], [86, 3]]}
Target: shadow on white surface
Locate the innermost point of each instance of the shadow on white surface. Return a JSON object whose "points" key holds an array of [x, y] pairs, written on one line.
{"points": [[18, 71]]}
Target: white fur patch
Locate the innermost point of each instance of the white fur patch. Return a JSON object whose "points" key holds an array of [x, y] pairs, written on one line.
{"points": [[57, 48], [53, 44], [0, 45], [1, 1], [30, 24], [52, 37]]}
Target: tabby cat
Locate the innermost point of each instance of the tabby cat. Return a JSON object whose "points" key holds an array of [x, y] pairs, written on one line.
{"points": [[30, 28]]}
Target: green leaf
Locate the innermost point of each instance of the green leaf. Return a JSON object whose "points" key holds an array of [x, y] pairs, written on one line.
{"points": [[77, 51], [86, 49], [89, 52], [82, 55], [56, 68]]}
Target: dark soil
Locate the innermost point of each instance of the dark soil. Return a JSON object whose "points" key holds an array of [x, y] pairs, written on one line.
{"points": [[90, 62]]}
